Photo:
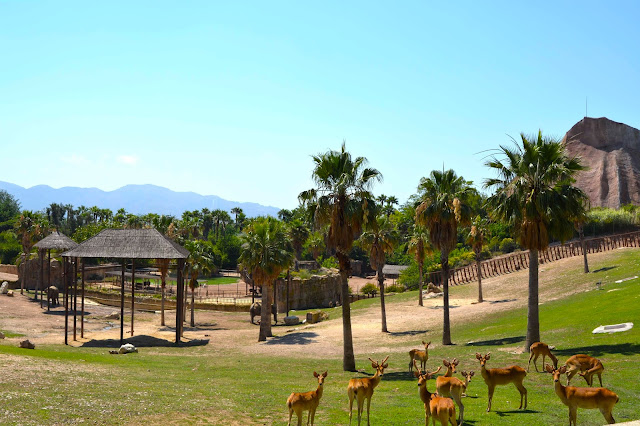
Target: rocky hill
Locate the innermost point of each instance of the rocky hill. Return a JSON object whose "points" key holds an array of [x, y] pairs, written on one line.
{"points": [[137, 199], [611, 150]]}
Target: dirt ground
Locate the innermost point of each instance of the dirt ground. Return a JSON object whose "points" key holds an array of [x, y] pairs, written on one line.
{"points": [[408, 322]]}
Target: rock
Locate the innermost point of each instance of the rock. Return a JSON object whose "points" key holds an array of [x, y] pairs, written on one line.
{"points": [[291, 320], [317, 316], [1, 335], [113, 315], [26, 344], [4, 288], [10, 293], [611, 152], [127, 348]]}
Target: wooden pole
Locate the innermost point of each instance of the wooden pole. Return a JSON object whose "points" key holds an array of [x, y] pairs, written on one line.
{"points": [[66, 300], [75, 297], [288, 289], [48, 277], [82, 304], [133, 290], [179, 290], [122, 304], [41, 257]]}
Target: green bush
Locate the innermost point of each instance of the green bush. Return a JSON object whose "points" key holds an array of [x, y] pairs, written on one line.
{"points": [[369, 288], [395, 288], [330, 262], [602, 221], [507, 245]]}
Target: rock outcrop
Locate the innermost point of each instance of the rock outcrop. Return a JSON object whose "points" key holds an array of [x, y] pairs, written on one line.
{"points": [[611, 151]]}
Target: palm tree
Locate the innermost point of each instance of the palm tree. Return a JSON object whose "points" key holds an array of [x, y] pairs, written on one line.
{"points": [[298, 232], [29, 228], [343, 201], [534, 194], [444, 205], [379, 239], [236, 211], [476, 240], [419, 246], [200, 262], [315, 244], [266, 251]]}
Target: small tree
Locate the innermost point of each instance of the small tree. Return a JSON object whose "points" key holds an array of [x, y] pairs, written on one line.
{"points": [[476, 240], [200, 261], [419, 246], [29, 228]]}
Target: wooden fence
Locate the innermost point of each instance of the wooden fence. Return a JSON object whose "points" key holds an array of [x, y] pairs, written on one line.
{"points": [[520, 260]]}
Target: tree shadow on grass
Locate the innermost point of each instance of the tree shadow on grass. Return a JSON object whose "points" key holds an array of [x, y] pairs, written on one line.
{"points": [[599, 350], [408, 333], [604, 269], [508, 413], [400, 376], [142, 341], [498, 342], [303, 338], [492, 302]]}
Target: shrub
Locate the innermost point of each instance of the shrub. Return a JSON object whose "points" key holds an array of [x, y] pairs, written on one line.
{"points": [[395, 288], [330, 262], [507, 245], [369, 288]]}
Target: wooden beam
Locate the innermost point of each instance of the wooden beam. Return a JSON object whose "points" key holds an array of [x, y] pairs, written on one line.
{"points": [[133, 291], [82, 304], [122, 304]]}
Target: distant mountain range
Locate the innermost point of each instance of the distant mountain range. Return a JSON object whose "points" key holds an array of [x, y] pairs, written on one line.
{"points": [[137, 199]]}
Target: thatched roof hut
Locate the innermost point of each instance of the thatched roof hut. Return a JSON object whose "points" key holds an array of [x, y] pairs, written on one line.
{"points": [[56, 241]]}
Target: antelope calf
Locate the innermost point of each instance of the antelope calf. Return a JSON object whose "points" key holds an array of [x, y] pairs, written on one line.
{"points": [[502, 376], [452, 387], [467, 379], [418, 355], [435, 406], [306, 401], [586, 366], [574, 398], [362, 389], [538, 349]]}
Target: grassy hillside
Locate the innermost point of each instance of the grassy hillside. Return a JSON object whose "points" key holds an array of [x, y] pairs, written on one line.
{"points": [[56, 384]]}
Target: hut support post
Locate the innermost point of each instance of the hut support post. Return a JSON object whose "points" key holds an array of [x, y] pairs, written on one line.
{"points": [[122, 304], [48, 277], [41, 283], [133, 290], [179, 299], [66, 300], [75, 297], [82, 303]]}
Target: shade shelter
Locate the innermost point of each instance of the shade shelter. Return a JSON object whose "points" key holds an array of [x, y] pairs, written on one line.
{"points": [[132, 244], [53, 241]]}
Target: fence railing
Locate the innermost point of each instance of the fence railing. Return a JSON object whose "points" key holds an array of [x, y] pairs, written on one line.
{"points": [[513, 262]]}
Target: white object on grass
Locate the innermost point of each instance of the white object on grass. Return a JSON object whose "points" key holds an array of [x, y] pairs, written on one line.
{"points": [[614, 328]]}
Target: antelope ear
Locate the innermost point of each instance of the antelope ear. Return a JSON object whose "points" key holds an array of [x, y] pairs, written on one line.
{"points": [[423, 342], [478, 356], [471, 373], [455, 361], [324, 374], [429, 342], [464, 373], [385, 365], [417, 374], [563, 369], [548, 368], [445, 362], [487, 356], [315, 374]]}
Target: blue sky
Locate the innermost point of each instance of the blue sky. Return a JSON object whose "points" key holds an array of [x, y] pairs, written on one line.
{"points": [[233, 98]]}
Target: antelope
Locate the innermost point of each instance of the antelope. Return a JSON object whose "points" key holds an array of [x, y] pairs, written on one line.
{"points": [[538, 349], [306, 401], [467, 379], [417, 354], [363, 388], [451, 366], [574, 398], [452, 387], [584, 363], [502, 376], [435, 406]]}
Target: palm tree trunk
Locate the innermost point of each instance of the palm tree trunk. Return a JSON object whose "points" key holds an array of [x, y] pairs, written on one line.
{"points": [[193, 300], [479, 270], [446, 326], [272, 301], [24, 273], [348, 356], [584, 249], [382, 305], [162, 304], [533, 317], [265, 314], [420, 302]]}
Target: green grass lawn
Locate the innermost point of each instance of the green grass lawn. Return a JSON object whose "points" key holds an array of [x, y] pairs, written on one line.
{"points": [[203, 384]]}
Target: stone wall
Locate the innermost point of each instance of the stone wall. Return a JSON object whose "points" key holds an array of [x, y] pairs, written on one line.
{"points": [[9, 269], [319, 291], [33, 271]]}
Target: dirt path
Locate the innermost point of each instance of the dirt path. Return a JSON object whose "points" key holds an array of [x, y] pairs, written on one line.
{"points": [[408, 322]]}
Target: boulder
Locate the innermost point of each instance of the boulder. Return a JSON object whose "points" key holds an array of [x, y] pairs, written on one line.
{"points": [[317, 316], [113, 315], [1, 335], [10, 293], [127, 348], [291, 320], [26, 344], [4, 288]]}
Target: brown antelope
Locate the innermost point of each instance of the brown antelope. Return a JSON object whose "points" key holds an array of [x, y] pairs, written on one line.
{"points": [[538, 349], [574, 398], [435, 406], [502, 376], [452, 387], [306, 401], [418, 355], [584, 363], [451, 366], [467, 379], [362, 389]]}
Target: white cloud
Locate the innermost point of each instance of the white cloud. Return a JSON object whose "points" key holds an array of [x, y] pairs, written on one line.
{"points": [[129, 160]]}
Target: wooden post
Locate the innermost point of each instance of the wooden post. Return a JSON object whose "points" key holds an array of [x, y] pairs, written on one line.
{"points": [[288, 289], [82, 304], [75, 298], [180, 289], [133, 290], [122, 303], [66, 300], [41, 273], [48, 277]]}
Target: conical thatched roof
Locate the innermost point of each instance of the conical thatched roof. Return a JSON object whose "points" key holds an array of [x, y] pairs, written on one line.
{"points": [[56, 241], [129, 244]]}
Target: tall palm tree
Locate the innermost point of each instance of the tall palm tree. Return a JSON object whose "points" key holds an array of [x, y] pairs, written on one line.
{"points": [[476, 240], [298, 232], [444, 205], [236, 211], [380, 239], [163, 267], [200, 262], [29, 228], [315, 244], [536, 196], [343, 201], [419, 246], [266, 251]]}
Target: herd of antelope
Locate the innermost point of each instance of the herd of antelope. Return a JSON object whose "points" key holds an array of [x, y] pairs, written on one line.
{"points": [[440, 405]]}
